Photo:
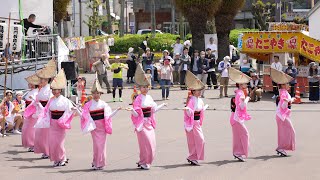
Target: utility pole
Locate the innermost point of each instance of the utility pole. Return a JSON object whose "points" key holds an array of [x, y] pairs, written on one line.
{"points": [[278, 10], [173, 18], [122, 19], [181, 25], [153, 18], [109, 17]]}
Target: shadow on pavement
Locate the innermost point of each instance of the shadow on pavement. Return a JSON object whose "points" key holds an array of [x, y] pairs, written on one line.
{"points": [[123, 170], [173, 166], [24, 159], [75, 171], [16, 145], [15, 152], [267, 157], [34, 167], [224, 162]]}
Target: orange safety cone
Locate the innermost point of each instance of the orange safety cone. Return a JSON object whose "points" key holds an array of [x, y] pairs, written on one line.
{"points": [[297, 96]]}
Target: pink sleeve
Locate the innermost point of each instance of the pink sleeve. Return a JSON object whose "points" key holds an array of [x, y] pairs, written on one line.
{"points": [[137, 107], [188, 120], [85, 115]]}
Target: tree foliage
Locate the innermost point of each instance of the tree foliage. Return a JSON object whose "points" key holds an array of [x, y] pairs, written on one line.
{"points": [[263, 13], [95, 20], [198, 13], [60, 8]]}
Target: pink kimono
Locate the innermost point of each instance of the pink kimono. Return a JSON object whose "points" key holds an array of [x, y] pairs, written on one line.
{"points": [[239, 130], [193, 119], [143, 119], [41, 142], [28, 130], [96, 118], [286, 132], [58, 115]]}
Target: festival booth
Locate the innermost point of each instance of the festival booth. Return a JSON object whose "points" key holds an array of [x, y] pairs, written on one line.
{"points": [[296, 45]]}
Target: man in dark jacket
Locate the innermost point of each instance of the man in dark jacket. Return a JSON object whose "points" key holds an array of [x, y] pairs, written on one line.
{"points": [[27, 23], [203, 67], [211, 72], [293, 72]]}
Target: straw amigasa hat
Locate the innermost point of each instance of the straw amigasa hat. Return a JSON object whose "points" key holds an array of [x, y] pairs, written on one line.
{"points": [[49, 71], [238, 76], [279, 77], [140, 77], [60, 81], [192, 82], [96, 87], [33, 79]]}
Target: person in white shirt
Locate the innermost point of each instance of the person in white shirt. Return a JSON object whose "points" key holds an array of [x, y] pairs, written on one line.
{"points": [[177, 47], [213, 47], [224, 80], [278, 66]]}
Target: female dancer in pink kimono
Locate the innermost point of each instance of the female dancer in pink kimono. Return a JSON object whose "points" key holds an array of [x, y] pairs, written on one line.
{"points": [[41, 144], [193, 119], [57, 116], [96, 118], [28, 130], [143, 118], [239, 115], [286, 132]]}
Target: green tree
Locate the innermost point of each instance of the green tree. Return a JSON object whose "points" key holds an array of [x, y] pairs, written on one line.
{"points": [[95, 20], [263, 13], [109, 17], [224, 23], [198, 13], [60, 10]]}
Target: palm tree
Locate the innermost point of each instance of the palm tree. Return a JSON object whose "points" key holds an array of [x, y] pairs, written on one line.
{"points": [[224, 23], [198, 13]]}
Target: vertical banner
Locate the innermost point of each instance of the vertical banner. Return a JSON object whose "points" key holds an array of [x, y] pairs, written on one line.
{"points": [[3, 35], [16, 38]]}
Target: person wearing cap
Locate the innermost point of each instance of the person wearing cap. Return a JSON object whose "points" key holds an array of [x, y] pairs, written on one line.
{"points": [[147, 63], [13, 122], [278, 66], [193, 119], [143, 118], [224, 79], [293, 72], [286, 132], [255, 87], [165, 78], [132, 65], [100, 67], [203, 67], [41, 142], [184, 66], [176, 66], [57, 116], [239, 115], [313, 78], [166, 55], [28, 130], [96, 118], [117, 81], [212, 77], [177, 47]]}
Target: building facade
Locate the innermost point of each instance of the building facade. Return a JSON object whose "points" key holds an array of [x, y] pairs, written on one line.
{"points": [[314, 21]]}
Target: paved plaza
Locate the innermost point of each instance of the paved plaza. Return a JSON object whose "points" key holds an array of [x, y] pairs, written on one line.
{"points": [[170, 162]]}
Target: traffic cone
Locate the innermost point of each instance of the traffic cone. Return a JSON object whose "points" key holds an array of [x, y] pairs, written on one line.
{"points": [[297, 96]]}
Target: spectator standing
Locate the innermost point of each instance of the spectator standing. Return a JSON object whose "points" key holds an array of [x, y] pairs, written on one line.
{"points": [[293, 72], [203, 67], [166, 55], [28, 22], [177, 47], [143, 46], [212, 45], [245, 66], [313, 78], [194, 62], [224, 80], [255, 88], [233, 53], [188, 45], [212, 77], [165, 78], [100, 67], [278, 66], [176, 65], [131, 65], [147, 63], [117, 81], [184, 66]]}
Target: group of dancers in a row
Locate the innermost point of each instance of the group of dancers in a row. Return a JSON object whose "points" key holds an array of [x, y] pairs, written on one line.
{"points": [[49, 114]]}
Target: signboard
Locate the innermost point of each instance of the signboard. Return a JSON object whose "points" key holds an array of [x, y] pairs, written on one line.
{"points": [[15, 38], [3, 35], [75, 43], [281, 42], [277, 26]]}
